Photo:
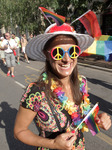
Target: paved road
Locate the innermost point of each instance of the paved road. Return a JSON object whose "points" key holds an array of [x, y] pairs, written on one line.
{"points": [[11, 90], [100, 90]]}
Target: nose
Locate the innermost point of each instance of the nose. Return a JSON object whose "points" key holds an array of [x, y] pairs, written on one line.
{"points": [[66, 57]]}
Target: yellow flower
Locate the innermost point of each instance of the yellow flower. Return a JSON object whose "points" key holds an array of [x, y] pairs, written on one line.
{"points": [[70, 112], [53, 85], [70, 107], [68, 129], [87, 101], [85, 128], [46, 81]]}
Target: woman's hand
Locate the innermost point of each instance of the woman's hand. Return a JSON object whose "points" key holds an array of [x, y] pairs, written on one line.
{"points": [[65, 141], [104, 121]]}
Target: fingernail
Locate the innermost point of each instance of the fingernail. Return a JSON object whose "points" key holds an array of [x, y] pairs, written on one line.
{"points": [[73, 131], [98, 121]]}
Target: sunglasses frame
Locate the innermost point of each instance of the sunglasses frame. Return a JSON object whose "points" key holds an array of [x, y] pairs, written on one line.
{"points": [[73, 46]]}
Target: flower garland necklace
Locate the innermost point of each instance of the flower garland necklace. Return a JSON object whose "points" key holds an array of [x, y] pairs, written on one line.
{"points": [[76, 112]]}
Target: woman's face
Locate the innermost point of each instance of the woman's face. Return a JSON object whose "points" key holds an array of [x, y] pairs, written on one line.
{"points": [[64, 67]]}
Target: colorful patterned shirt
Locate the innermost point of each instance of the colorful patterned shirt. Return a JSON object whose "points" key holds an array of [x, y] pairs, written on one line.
{"points": [[36, 100]]}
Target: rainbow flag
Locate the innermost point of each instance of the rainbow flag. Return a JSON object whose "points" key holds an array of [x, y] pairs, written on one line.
{"points": [[102, 47], [57, 18], [90, 120], [90, 22]]}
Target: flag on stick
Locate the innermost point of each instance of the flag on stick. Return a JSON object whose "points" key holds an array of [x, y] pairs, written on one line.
{"points": [[45, 15], [90, 120], [90, 22], [57, 18]]}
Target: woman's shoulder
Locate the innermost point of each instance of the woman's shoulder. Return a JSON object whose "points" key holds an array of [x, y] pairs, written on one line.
{"points": [[33, 87], [32, 95]]}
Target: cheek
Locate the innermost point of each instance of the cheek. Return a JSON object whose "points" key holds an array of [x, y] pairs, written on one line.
{"points": [[52, 63]]}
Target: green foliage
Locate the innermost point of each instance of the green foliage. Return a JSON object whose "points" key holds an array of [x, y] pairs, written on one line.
{"points": [[26, 15]]}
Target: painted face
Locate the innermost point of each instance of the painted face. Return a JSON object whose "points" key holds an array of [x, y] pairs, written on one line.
{"points": [[64, 67]]}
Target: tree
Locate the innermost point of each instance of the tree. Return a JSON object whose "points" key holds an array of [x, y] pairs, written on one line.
{"points": [[26, 15]]}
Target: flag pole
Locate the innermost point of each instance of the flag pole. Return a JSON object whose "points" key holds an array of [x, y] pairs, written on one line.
{"points": [[80, 17], [86, 116], [45, 16]]}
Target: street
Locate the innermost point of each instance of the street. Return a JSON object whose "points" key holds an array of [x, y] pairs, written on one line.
{"points": [[11, 90]]}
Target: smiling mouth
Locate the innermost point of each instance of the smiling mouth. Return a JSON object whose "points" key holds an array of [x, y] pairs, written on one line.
{"points": [[65, 66]]}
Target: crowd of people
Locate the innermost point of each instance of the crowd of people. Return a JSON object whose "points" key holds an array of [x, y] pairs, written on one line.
{"points": [[11, 47]]}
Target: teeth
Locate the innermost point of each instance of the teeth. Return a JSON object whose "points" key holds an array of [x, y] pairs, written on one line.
{"points": [[66, 65]]}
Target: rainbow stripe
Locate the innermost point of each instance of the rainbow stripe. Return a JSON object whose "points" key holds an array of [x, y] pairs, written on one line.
{"points": [[57, 18], [102, 46], [90, 121]]}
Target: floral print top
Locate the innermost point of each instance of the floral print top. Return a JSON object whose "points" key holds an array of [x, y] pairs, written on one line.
{"points": [[35, 99]]}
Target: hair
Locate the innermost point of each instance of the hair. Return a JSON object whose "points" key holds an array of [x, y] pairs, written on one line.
{"points": [[4, 35], [13, 33], [51, 74], [23, 34], [7, 33]]}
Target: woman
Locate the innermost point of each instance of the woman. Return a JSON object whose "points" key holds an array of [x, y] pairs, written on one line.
{"points": [[56, 100]]}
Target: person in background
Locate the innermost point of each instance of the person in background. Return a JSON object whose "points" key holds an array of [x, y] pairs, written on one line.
{"points": [[23, 44], [17, 40], [2, 53], [9, 45], [58, 99], [31, 37]]}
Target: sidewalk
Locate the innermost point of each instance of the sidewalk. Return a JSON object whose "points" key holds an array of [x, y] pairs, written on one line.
{"points": [[97, 62]]}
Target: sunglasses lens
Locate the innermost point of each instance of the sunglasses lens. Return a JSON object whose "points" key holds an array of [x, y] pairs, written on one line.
{"points": [[74, 52], [77, 50], [71, 51], [54, 52], [61, 52], [57, 53]]}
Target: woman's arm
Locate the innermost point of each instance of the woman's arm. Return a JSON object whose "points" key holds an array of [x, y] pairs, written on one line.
{"points": [[22, 133]]}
